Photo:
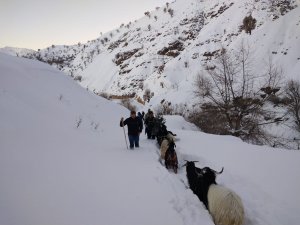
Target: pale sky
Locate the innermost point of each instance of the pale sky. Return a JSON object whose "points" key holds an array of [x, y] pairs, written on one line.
{"points": [[40, 23]]}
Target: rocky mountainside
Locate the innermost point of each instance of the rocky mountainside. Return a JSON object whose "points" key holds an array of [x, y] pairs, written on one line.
{"points": [[164, 50]]}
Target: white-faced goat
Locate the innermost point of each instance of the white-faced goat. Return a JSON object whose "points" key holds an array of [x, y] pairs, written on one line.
{"points": [[165, 144], [224, 205]]}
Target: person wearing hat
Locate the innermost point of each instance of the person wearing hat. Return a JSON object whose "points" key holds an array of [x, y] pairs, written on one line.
{"points": [[135, 127]]}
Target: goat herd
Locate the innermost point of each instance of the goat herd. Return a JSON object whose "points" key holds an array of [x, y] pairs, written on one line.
{"points": [[224, 205]]}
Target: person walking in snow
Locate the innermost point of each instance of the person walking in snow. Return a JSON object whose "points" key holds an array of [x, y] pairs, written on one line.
{"points": [[149, 122], [135, 127], [143, 115], [140, 116], [145, 118]]}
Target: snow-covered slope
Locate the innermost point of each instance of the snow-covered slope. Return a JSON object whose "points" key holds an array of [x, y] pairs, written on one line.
{"points": [[164, 50], [160, 55], [63, 160], [16, 51]]}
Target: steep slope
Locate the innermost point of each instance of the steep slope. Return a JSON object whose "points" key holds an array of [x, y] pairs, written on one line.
{"points": [[157, 58], [16, 51], [166, 49], [63, 160]]}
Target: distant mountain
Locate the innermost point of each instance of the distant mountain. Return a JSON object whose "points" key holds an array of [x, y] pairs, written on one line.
{"points": [[17, 51]]}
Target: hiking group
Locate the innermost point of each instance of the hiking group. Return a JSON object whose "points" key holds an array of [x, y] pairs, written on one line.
{"points": [[135, 126]]}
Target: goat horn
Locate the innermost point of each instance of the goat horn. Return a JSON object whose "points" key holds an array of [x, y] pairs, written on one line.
{"points": [[220, 171], [187, 162], [190, 161]]}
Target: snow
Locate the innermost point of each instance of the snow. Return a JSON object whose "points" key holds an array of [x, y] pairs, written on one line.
{"points": [[16, 51], [212, 23], [53, 172]]}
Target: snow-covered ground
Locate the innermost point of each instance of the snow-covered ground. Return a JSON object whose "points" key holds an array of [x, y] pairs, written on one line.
{"points": [[63, 161]]}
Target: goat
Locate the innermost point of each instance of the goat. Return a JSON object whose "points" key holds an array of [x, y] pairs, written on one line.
{"points": [[163, 148], [171, 160], [165, 144], [224, 205], [162, 132]]}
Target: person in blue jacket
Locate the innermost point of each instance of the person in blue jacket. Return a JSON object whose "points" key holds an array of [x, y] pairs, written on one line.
{"points": [[135, 127]]}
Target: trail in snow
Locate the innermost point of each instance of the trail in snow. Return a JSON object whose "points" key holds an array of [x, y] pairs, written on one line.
{"points": [[261, 208], [53, 172], [184, 202]]}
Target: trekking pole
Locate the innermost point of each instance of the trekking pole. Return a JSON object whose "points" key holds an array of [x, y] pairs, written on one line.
{"points": [[125, 135]]}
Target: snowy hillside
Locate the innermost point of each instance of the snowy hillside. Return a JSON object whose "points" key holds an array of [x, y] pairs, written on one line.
{"points": [[16, 51], [63, 160], [164, 50], [156, 59]]}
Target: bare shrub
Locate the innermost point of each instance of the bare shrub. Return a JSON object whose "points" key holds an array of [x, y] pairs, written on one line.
{"points": [[293, 93], [78, 78], [232, 95], [104, 95], [147, 14], [147, 95], [209, 119], [165, 108], [161, 69], [127, 103], [78, 122], [249, 24], [171, 12]]}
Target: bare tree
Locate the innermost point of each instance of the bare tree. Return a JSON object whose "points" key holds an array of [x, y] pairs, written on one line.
{"points": [[249, 24], [293, 93], [233, 94], [147, 95]]}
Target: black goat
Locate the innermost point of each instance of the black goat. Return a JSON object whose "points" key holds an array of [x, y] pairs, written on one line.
{"points": [[223, 204], [159, 129], [196, 184]]}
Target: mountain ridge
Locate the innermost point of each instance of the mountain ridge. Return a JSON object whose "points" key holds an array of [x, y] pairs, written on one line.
{"points": [[188, 31]]}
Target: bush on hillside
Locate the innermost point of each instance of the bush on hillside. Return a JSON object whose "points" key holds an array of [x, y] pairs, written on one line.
{"points": [[127, 103], [293, 94], [249, 24], [231, 92]]}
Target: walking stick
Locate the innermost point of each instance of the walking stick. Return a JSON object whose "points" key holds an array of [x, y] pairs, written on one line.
{"points": [[124, 134]]}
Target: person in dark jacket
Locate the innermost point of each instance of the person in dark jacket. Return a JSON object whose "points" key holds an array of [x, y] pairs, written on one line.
{"points": [[140, 116], [149, 122], [135, 127]]}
